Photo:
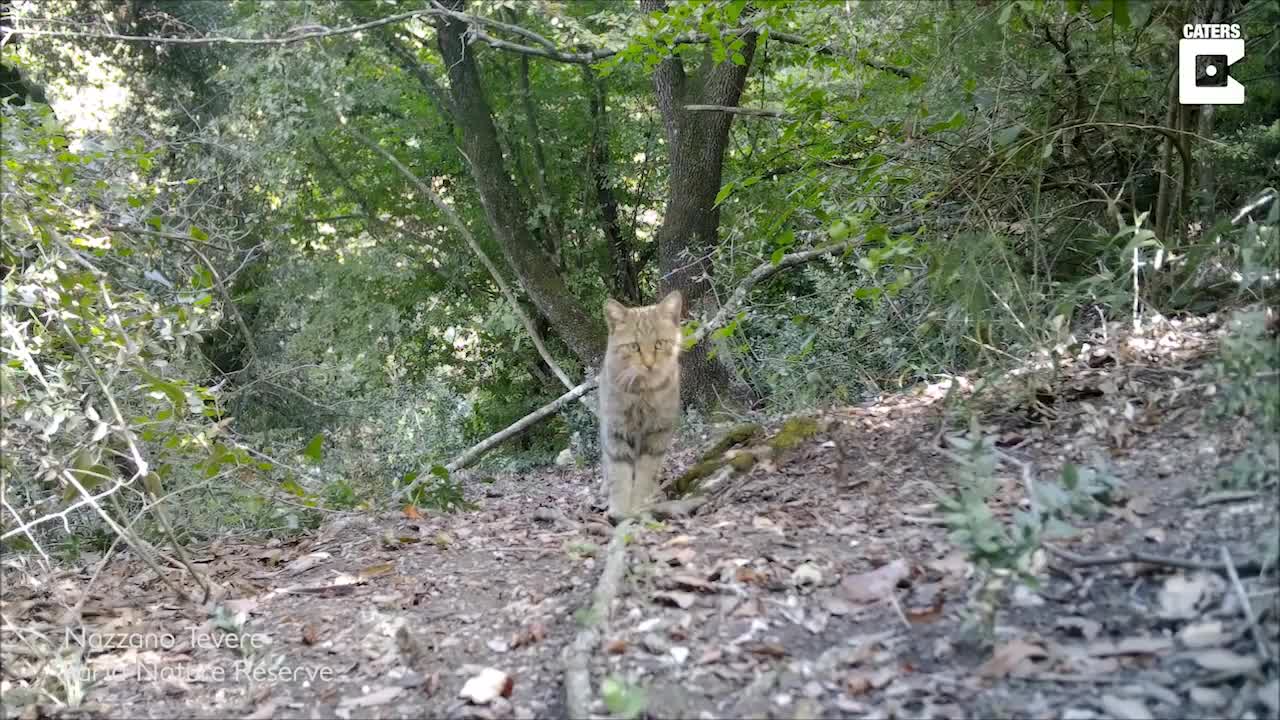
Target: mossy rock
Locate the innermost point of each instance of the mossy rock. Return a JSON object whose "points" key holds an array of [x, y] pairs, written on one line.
{"points": [[793, 433], [737, 435], [743, 462], [688, 480]]}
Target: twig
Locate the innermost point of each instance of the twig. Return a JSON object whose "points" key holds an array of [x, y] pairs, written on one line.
{"points": [[309, 34], [577, 671], [1263, 650], [461, 228], [730, 306], [734, 110], [1251, 567], [1226, 496], [548, 50]]}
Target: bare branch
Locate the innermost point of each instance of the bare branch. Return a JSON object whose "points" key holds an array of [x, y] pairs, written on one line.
{"points": [[730, 306], [733, 110], [309, 32], [452, 216], [577, 671]]}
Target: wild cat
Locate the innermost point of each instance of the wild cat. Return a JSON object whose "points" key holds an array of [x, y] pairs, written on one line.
{"points": [[639, 399]]}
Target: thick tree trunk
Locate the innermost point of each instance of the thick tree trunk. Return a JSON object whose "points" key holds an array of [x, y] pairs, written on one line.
{"points": [[696, 143], [507, 216]]}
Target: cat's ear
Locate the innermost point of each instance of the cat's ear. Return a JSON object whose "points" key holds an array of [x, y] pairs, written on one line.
{"points": [[614, 312], [672, 304]]}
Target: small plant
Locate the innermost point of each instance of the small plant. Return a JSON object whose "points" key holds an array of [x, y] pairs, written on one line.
{"points": [[443, 493], [1004, 550], [623, 699], [1246, 377]]}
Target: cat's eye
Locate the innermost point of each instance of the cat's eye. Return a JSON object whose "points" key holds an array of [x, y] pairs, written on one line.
{"points": [[633, 347], [664, 344]]}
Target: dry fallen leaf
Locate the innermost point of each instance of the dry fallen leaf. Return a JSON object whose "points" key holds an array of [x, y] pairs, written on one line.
{"points": [[682, 600], [1225, 661], [488, 685], [381, 696], [1130, 646], [1127, 708], [376, 570], [876, 584], [616, 646], [1203, 635], [1183, 595], [310, 634], [1015, 656]]}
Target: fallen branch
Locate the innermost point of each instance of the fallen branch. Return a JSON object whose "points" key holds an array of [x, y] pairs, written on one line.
{"points": [[731, 305], [577, 666], [1250, 567], [735, 110], [1243, 596]]}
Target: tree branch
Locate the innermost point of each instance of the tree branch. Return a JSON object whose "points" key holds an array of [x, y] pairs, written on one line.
{"points": [[456, 221], [733, 110], [300, 34], [730, 307]]}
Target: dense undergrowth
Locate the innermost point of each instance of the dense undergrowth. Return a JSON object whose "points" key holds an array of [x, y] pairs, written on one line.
{"points": [[219, 295]]}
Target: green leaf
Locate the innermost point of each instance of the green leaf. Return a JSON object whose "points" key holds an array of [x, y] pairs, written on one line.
{"points": [[440, 471], [622, 699], [839, 231], [1007, 135], [199, 234], [291, 486], [314, 449], [724, 192], [1120, 13], [739, 59], [776, 257]]}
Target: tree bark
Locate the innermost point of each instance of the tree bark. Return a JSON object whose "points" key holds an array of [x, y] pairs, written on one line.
{"points": [[622, 266], [584, 333], [696, 143]]}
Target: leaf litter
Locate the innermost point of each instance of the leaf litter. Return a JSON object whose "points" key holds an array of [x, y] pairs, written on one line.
{"points": [[801, 597]]}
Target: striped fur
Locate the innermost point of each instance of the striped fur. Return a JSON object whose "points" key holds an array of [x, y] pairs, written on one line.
{"points": [[639, 400]]}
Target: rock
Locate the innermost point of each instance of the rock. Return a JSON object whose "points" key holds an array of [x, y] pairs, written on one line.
{"points": [[564, 458], [807, 575], [488, 685], [1208, 697]]}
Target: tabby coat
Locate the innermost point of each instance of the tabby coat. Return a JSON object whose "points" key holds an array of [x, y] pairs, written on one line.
{"points": [[639, 399]]}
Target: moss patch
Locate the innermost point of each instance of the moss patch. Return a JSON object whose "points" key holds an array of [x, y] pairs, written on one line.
{"points": [[688, 481], [743, 462], [794, 432], [737, 435]]}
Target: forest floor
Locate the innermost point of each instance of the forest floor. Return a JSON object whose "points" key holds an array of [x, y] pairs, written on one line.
{"points": [[822, 585]]}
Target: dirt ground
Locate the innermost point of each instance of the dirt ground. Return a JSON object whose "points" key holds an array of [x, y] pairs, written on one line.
{"points": [[821, 585]]}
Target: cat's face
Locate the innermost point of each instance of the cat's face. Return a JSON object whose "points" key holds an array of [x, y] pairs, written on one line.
{"points": [[645, 340]]}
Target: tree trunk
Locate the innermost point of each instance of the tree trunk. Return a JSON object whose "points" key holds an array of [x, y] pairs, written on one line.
{"points": [[696, 143], [507, 216], [622, 266]]}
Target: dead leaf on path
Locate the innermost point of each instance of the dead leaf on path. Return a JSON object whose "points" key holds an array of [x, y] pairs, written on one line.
{"points": [[1182, 596], [529, 635], [310, 634], [682, 600], [381, 696], [1142, 645], [691, 582], [1013, 657], [1203, 635], [616, 646], [676, 556], [1225, 661], [306, 562], [876, 584], [768, 649], [1080, 626], [1128, 708], [487, 686], [376, 570]]}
